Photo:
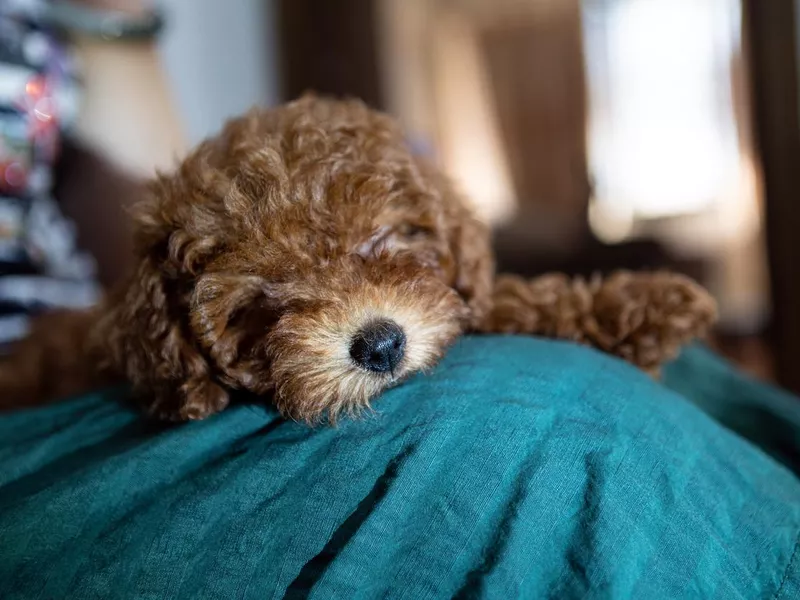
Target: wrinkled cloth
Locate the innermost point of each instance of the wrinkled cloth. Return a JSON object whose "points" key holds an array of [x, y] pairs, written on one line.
{"points": [[519, 468]]}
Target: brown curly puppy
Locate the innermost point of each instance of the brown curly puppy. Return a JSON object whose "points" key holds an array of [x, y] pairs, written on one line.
{"points": [[305, 254]]}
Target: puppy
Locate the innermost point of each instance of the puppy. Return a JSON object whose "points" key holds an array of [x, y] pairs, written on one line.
{"points": [[307, 256]]}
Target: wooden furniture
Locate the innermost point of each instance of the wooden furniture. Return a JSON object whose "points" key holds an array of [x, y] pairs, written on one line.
{"points": [[329, 47], [772, 38]]}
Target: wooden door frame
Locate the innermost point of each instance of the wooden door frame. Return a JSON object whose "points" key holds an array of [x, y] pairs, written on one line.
{"points": [[330, 47], [770, 30]]}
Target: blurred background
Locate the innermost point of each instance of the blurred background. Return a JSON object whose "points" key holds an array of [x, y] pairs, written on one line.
{"points": [[591, 134]]}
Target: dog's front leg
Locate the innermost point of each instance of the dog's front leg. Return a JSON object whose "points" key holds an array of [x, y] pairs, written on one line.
{"points": [[643, 318]]}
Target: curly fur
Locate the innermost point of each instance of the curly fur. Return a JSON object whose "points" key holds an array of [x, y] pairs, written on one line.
{"points": [[274, 242]]}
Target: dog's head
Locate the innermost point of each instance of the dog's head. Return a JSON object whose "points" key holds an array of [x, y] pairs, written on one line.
{"points": [[304, 253]]}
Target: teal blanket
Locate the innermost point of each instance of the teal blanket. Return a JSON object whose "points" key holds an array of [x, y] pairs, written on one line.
{"points": [[519, 469]]}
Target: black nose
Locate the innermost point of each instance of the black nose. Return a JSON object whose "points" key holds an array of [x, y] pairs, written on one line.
{"points": [[379, 347]]}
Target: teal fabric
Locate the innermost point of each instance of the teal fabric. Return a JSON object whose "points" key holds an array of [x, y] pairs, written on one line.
{"points": [[767, 416], [518, 469]]}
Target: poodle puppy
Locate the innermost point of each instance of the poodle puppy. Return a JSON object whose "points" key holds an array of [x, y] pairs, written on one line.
{"points": [[306, 255]]}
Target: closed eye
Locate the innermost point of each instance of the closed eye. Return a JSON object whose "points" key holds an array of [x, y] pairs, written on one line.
{"points": [[395, 238], [413, 232]]}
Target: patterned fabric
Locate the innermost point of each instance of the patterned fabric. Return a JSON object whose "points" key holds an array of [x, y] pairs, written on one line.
{"points": [[40, 267]]}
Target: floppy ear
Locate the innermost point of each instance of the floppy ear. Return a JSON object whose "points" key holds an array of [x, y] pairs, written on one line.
{"points": [[229, 315], [148, 343], [145, 328], [172, 330]]}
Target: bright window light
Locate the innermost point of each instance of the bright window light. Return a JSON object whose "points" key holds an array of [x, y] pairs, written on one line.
{"points": [[662, 134]]}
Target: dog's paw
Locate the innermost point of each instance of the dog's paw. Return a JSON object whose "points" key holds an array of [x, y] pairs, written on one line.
{"points": [[646, 318], [194, 400]]}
